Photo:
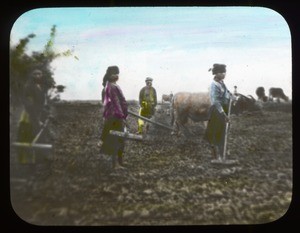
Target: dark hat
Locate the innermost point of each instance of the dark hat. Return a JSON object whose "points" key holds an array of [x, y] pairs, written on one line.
{"points": [[149, 79], [109, 72], [112, 70], [218, 68]]}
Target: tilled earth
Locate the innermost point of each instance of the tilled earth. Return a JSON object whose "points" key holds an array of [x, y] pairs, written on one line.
{"points": [[168, 180]]}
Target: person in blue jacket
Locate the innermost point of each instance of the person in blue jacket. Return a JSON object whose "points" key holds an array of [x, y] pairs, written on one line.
{"points": [[219, 97]]}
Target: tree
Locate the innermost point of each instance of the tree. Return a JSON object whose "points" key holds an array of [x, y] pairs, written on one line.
{"points": [[21, 63]]}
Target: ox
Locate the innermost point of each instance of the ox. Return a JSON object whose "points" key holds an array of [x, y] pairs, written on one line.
{"points": [[245, 104], [166, 98], [196, 106], [261, 96], [278, 94]]}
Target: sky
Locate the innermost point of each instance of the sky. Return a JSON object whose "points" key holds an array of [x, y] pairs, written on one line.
{"points": [[175, 46]]}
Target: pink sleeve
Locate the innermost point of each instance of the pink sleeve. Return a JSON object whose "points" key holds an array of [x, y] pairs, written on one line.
{"points": [[116, 103]]}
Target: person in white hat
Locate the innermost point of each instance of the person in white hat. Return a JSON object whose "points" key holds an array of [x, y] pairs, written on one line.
{"points": [[147, 102]]}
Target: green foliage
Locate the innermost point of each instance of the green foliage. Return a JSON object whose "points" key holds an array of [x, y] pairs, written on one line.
{"points": [[21, 63]]}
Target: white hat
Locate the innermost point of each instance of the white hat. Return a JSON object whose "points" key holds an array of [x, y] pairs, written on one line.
{"points": [[149, 79]]}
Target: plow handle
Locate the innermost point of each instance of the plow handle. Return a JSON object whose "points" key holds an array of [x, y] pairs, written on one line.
{"points": [[32, 145], [150, 121]]}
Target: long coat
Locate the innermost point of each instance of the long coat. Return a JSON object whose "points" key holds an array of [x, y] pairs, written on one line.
{"points": [[147, 101]]}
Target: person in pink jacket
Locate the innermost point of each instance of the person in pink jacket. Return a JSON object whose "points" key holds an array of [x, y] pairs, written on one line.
{"points": [[114, 115]]}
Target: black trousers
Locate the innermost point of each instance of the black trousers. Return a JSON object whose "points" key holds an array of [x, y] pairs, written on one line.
{"points": [[216, 127], [112, 145]]}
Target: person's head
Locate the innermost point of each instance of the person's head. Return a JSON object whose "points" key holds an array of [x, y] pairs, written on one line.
{"points": [[149, 81], [111, 75], [219, 70], [220, 76], [113, 78], [37, 75], [112, 70]]}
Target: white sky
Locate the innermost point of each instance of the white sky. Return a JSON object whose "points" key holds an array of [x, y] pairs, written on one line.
{"points": [[174, 45]]}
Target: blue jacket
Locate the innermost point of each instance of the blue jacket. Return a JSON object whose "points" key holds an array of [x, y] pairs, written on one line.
{"points": [[219, 95]]}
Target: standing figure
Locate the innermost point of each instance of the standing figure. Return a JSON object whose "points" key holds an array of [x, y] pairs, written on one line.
{"points": [[147, 102], [31, 118], [219, 97], [114, 115]]}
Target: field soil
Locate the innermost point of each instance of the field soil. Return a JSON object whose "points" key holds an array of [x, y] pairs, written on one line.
{"points": [[168, 180]]}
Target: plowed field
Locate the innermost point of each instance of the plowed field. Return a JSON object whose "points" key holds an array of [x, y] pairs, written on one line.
{"points": [[168, 180]]}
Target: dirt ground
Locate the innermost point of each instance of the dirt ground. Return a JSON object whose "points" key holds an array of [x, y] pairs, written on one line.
{"points": [[168, 180]]}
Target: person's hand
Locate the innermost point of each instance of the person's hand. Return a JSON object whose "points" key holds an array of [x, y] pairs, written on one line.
{"points": [[126, 123], [227, 119]]}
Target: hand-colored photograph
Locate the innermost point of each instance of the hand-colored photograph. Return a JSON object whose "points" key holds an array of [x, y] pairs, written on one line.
{"points": [[141, 116]]}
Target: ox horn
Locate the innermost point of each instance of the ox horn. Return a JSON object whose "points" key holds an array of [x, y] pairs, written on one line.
{"points": [[252, 98]]}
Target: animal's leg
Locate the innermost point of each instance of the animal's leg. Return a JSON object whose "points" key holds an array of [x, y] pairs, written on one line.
{"points": [[186, 132], [181, 126], [174, 123], [176, 129], [271, 98]]}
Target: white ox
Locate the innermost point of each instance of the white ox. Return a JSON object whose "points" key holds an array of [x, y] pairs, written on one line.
{"points": [[196, 106], [185, 105]]}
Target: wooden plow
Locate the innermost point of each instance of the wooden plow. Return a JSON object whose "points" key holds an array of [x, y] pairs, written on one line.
{"points": [[137, 137], [34, 145], [126, 135], [150, 121]]}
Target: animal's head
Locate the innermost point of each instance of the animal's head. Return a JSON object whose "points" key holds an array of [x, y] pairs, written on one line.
{"points": [[260, 92], [244, 103], [286, 98]]}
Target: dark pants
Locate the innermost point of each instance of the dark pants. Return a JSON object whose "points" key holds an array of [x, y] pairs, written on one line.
{"points": [[215, 131], [112, 145]]}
